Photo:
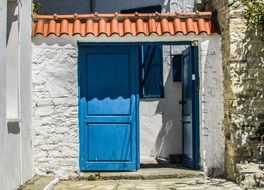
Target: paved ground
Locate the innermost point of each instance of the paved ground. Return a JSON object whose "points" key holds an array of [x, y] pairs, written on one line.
{"points": [[179, 184], [145, 173], [153, 176], [36, 183]]}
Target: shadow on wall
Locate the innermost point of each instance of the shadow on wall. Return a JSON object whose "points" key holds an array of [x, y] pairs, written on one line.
{"points": [[12, 17], [161, 125], [169, 139]]}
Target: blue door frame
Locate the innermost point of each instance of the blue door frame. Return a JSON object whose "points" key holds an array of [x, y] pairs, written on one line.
{"points": [[196, 113], [190, 107]]}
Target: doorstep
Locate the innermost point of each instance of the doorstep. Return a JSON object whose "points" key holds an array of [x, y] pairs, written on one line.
{"points": [[144, 173], [151, 168]]}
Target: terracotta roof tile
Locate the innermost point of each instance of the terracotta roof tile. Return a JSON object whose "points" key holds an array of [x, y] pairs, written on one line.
{"points": [[123, 24]]}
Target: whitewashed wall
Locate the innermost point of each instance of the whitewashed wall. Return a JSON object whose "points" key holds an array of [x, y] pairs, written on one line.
{"points": [[212, 111], [55, 111], [55, 107], [56, 118], [3, 130], [15, 136], [55, 96], [160, 119]]}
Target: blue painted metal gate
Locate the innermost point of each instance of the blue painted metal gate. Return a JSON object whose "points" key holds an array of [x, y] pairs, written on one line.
{"points": [[108, 108]]}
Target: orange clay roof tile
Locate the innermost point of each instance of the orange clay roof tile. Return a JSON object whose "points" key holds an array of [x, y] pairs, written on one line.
{"points": [[123, 24]]}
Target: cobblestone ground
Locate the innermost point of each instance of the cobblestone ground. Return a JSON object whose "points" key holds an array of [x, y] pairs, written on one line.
{"points": [[179, 184]]}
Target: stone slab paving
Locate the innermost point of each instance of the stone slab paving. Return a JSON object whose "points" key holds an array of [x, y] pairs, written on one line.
{"points": [[146, 173], [36, 183], [157, 184]]}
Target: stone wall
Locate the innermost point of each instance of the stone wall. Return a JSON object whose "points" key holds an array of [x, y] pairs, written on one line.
{"points": [[243, 64]]}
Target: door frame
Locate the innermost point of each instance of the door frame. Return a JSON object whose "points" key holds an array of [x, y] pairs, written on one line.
{"points": [[196, 95], [193, 54]]}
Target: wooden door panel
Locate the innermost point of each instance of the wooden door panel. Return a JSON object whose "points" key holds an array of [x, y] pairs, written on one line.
{"points": [[108, 108], [109, 142]]}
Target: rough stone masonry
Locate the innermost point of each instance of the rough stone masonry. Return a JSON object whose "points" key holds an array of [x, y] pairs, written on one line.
{"points": [[243, 65]]}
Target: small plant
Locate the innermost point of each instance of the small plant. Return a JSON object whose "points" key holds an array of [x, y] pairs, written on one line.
{"points": [[91, 177], [200, 5], [36, 7], [254, 13]]}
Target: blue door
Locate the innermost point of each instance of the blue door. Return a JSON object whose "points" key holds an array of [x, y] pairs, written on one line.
{"points": [[190, 107], [108, 108]]}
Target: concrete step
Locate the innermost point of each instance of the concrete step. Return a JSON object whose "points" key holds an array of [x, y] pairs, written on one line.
{"points": [[144, 173]]}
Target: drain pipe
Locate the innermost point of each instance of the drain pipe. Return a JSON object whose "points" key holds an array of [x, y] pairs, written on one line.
{"points": [[51, 184]]}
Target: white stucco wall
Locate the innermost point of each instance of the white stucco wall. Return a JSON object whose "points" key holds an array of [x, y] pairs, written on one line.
{"points": [[12, 53], [25, 73], [3, 132], [160, 119], [15, 136], [55, 110], [55, 92], [212, 111], [55, 95]]}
